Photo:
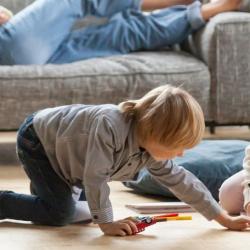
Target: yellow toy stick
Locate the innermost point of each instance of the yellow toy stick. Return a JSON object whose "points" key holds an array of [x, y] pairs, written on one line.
{"points": [[181, 217]]}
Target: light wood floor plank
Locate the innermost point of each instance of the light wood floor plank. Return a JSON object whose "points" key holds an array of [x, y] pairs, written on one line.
{"points": [[198, 234]]}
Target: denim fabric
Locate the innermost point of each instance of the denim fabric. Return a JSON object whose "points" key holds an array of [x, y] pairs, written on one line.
{"points": [[128, 31], [34, 34], [39, 27], [53, 203]]}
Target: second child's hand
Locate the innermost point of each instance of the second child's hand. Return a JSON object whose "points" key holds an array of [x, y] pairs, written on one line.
{"points": [[238, 223], [119, 228]]}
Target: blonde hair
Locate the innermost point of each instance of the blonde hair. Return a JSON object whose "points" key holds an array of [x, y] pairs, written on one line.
{"points": [[168, 115]]}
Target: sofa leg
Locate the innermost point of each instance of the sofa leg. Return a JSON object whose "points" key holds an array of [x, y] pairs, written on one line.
{"points": [[212, 129]]}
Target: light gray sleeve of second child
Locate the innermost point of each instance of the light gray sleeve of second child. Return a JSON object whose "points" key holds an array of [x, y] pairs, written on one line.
{"points": [[186, 187]]}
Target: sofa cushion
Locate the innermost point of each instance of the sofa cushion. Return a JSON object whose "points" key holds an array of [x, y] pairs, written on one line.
{"points": [[24, 89]]}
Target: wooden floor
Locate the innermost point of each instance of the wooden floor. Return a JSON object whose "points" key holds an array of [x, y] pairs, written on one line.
{"points": [[229, 132], [186, 235]]}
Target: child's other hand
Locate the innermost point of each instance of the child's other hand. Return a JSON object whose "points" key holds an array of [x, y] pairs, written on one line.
{"points": [[234, 223], [119, 228]]}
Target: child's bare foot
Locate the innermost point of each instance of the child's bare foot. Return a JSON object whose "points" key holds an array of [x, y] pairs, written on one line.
{"points": [[5, 15]]}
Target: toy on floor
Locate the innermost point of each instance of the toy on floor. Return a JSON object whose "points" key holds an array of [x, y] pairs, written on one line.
{"points": [[147, 221]]}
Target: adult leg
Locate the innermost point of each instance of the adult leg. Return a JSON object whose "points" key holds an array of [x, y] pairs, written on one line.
{"points": [[129, 31], [53, 203], [231, 194], [33, 35], [133, 30]]}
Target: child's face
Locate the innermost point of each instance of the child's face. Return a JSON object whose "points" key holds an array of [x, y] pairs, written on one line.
{"points": [[161, 153]]}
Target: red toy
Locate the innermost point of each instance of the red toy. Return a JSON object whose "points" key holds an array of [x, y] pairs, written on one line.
{"points": [[147, 221]]}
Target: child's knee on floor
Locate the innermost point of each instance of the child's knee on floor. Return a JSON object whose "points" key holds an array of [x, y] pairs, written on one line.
{"points": [[61, 217]]}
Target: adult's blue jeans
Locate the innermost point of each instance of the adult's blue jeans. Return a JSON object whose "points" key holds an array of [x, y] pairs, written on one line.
{"points": [[42, 32], [52, 204]]}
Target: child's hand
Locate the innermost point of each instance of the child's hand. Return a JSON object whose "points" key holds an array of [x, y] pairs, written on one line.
{"points": [[119, 228], [234, 223]]}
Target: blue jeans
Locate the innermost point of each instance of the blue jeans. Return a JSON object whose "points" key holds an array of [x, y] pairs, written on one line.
{"points": [[42, 32], [52, 203]]}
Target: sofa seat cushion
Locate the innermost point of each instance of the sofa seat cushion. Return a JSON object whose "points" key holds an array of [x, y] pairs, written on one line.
{"points": [[24, 89]]}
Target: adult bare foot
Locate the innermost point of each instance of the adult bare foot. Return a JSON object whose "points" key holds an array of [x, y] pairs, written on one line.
{"points": [[5, 15]]}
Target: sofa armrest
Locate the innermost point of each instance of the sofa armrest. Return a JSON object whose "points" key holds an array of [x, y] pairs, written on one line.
{"points": [[16, 5], [224, 45]]}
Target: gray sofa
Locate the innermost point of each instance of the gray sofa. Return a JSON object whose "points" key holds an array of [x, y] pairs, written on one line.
{"points": [[214, 65]]}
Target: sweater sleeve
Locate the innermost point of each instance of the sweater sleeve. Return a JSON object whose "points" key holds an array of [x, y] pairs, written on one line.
{"points": [[99, 161], [186, 187], [246, 166]]}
